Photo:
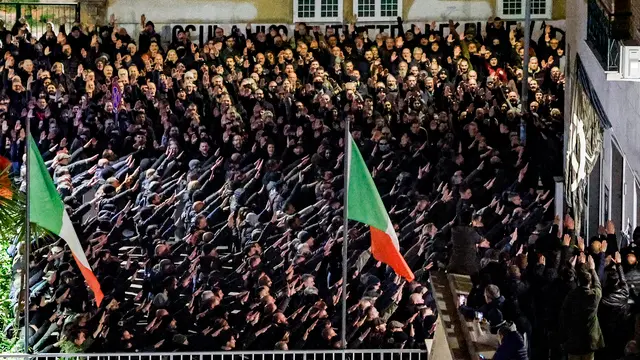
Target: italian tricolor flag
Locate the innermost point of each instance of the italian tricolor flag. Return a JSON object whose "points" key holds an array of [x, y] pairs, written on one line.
{"points": [[5, 183], [47, 211], [364, 205]]}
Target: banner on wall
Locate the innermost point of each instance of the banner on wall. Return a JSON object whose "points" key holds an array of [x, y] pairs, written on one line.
{"points": [[586, 128], [201, 33]]}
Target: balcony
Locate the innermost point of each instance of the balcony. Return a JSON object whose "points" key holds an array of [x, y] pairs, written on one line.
{"points": [[606, 32]]}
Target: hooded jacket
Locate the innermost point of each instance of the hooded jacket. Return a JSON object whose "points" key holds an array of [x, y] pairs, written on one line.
{"points": [[511, 348]]}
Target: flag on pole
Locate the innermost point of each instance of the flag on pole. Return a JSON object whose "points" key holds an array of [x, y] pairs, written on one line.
{"points": [[364, 205], [48, 212], [116, 96], [5, 183]]}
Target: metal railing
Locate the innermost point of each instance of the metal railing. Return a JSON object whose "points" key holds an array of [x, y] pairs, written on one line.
{"points": [[605, 33], [38, 15], [374, 354]]}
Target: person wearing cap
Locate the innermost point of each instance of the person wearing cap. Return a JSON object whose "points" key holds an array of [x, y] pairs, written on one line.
{"points": [[78, 39], [147, 35], [512, 345], [181, 41], [492, 310], [395, 337]]}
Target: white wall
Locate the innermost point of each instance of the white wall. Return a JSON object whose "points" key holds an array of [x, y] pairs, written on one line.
{"points": [[444, 10], [620, 100], [628, 215]]}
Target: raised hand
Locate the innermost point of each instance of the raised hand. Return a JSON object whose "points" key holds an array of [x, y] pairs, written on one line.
{"points": [[523, 172], [617, 258], [489, 184], [582, 258], [566, 240], [569, 224], [542, 260], [264, 329], [447, 196], [365, 334], [611, 228]]}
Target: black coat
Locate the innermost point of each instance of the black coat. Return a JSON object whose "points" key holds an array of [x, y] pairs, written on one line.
{"points": [[512, 348], [579, 319], [615, 308], [463, 257], [633, 279]]}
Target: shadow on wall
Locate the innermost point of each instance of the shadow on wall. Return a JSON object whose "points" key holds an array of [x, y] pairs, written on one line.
{"points": [[279, 11], [443, 10], [164, 11]]}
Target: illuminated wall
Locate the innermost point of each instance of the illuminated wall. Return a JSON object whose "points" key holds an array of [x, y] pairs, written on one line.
{"points": [[281, 11]]}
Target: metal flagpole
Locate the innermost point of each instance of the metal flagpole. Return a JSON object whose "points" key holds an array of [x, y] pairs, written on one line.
{"points": [[525, 63], [345, 228], [27, 241]]}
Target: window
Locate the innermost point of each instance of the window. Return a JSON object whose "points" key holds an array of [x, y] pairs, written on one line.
{"points": [[617, 187], [637, 204], [514, 9], [593, 191], [317, 11], [389, 8], [377, 10], [366, 8]]}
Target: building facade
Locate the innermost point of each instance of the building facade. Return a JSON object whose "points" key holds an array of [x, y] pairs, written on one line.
{"points": [[325, 11], [596, 30]]}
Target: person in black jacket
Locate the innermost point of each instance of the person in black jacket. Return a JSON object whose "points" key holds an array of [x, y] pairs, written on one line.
{"points": [[579, 323], [512, 345], [147, 35], [615, 308], [463, 244], [225, 209], [492, 310]]}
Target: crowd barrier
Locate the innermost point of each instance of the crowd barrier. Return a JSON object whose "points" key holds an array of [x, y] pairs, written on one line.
{"points": [[374, 354]]}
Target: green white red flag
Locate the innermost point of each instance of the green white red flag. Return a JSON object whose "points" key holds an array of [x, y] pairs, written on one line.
{"points": [[47, 211], [364, 205], [5, 183]]}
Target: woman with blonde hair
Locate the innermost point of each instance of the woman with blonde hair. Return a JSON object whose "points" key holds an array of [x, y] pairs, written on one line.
{"points": [[57, 68], [170, 61], [26, 72], [93, 95]]}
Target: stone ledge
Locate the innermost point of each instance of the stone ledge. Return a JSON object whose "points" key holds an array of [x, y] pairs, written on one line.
{"points": [[93, 2]]}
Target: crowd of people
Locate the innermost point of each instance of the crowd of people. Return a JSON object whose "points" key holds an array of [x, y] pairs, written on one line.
{"points": [[213, 176]]}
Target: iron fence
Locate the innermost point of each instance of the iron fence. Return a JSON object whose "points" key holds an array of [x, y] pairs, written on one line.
{"points": [[37, 15], [605, 33], [375, 354]]}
